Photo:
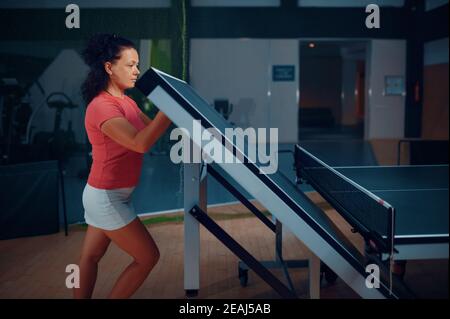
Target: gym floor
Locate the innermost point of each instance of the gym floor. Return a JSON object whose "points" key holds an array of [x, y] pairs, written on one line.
{"points": [[28, 272]]}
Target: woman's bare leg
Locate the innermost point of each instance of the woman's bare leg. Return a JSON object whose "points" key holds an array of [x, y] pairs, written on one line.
{"points": [[136, 241], [94, 247]]}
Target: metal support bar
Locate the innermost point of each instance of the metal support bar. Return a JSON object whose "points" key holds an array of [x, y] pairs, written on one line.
{"points": [[312, 263], [194, 194], [279, 262], [240, 197], [279, 253], [243, 254]]}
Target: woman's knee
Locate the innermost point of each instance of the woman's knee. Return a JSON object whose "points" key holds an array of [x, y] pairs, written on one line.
{"points": [[148, 259]]}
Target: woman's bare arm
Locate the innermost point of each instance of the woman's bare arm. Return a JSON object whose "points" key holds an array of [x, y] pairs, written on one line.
{"points": [[122, 132], [145, 118]]}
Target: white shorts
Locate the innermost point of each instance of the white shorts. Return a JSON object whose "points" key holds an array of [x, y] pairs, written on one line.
{"points": [[108, 209]]}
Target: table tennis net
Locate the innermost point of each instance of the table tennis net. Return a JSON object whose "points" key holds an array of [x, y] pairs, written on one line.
{"points": [[365, 212]]}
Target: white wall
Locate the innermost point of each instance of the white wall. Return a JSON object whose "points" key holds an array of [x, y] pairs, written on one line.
{"points": [[385, 115], [240, 71], [283, 101]]}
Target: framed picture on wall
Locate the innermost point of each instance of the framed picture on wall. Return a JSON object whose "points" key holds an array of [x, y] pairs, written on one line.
{"points": [[394, 85]]}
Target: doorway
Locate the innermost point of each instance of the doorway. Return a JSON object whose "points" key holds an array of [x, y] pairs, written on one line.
{"points": [[332, 86]]}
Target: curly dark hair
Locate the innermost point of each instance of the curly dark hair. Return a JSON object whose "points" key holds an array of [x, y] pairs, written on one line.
{"points": [[101, 48]]}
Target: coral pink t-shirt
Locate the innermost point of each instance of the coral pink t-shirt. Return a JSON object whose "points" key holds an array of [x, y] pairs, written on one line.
{"points": [[113, 166]]}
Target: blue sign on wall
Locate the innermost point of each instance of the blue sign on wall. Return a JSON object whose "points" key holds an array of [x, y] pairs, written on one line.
{"points": [[283, 73]]}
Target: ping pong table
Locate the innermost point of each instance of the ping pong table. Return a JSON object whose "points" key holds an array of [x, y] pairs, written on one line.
{"points": [[277, 193], [418, 196]]}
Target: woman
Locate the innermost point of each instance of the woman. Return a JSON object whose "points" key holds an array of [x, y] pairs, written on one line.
{"points": [[120, 134]]}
